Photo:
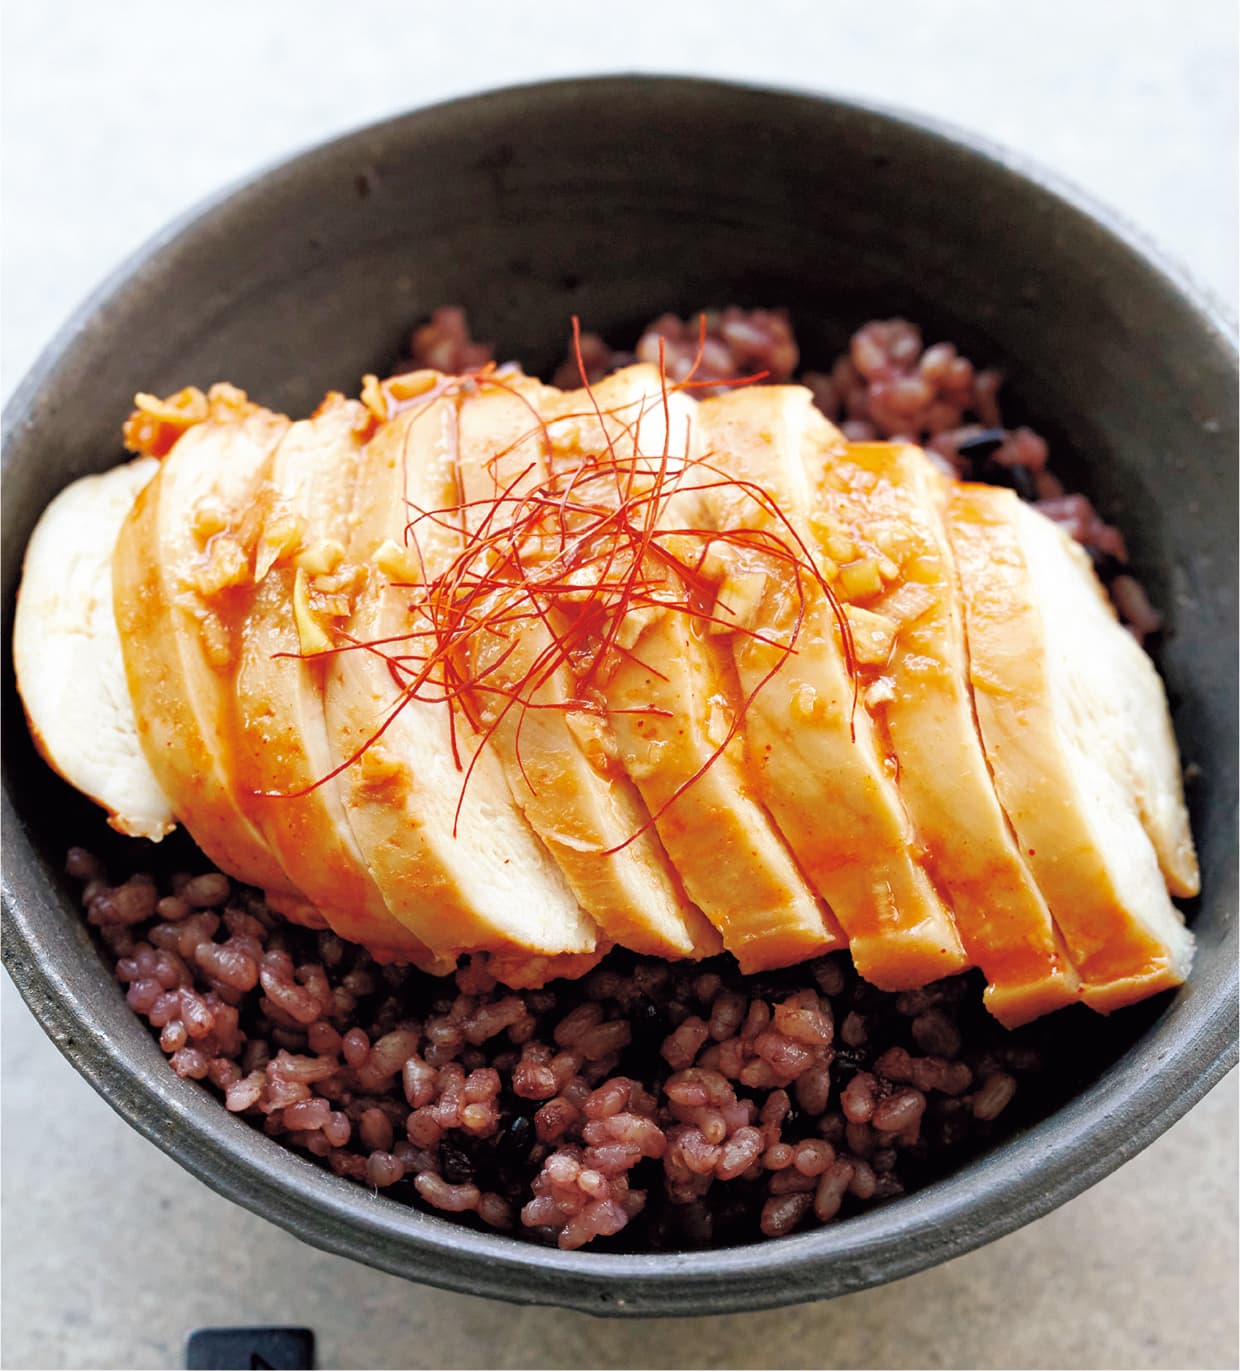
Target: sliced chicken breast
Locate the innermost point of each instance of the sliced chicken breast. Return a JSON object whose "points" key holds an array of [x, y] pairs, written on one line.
{"points": [[1040, 668], [671, 692], [885, 502], [819, 761], [441, 835], [67, 652], [1144, 755], [182, 572], [304, 588], [559, 754]]}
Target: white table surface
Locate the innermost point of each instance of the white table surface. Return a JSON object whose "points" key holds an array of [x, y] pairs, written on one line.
{"points": [[118, 116]]}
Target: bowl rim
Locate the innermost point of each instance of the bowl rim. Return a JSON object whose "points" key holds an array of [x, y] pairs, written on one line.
{"points": [[1021, 1180]]}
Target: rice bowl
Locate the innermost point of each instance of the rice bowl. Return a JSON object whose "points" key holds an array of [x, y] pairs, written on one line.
{"points": [[977, 1175]]}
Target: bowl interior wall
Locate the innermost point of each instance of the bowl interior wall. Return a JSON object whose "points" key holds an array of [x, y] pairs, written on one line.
{"points": [[616, 201]]}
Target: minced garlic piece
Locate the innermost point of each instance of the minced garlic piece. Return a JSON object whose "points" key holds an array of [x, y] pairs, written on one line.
{"points": [[398, 563], [410, 384], [380, 772], [804, 702], [909, 601], [887, 569], [872, 634], [892, 541], [215, 640], [839, 548], [155, 425], [374, 397], [322, 558], [634, 623], [186, 408], [226, 566], [228, 402], [346, 580], [880, 692], [310, 633], [861, 580], [208, 521], [331, 604], [585, 578], [927, 570], [647, 762], [323, 595], [280, 538]]}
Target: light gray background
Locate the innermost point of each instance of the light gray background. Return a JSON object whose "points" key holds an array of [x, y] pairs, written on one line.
{"points": [[118, 116]]}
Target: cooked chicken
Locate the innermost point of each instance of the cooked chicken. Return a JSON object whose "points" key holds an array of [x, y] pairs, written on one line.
{"points": [[182, 569], [883, 499], [284, 762], [671, 693], [817, 759], [559, 754], [1040, 675], [497, 668], [1131, 705], [67, 652], [431, 813]]}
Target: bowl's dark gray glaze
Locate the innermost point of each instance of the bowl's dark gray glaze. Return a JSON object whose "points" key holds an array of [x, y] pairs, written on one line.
{"points": [[617, 198]]}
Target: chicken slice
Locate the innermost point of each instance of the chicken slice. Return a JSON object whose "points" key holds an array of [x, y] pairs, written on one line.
{"points": [[909, 634], [182, 572], [67, 652], [820, 762], [1040, 664], [671, 692], [559, 755], [303, 587], [462, 878], [1143, 756]]}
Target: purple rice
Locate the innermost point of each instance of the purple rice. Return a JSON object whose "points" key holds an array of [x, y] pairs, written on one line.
{"points": [[648, 1105]]}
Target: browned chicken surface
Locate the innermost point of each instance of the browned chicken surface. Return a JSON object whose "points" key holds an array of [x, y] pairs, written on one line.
{"points": [[476, 664]]}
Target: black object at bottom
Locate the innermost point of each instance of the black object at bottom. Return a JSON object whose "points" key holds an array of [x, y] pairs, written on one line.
{"points": [[250, 1349]]}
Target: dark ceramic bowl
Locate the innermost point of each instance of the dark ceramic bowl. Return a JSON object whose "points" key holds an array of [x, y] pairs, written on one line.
{"points": [[616, 199]]}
